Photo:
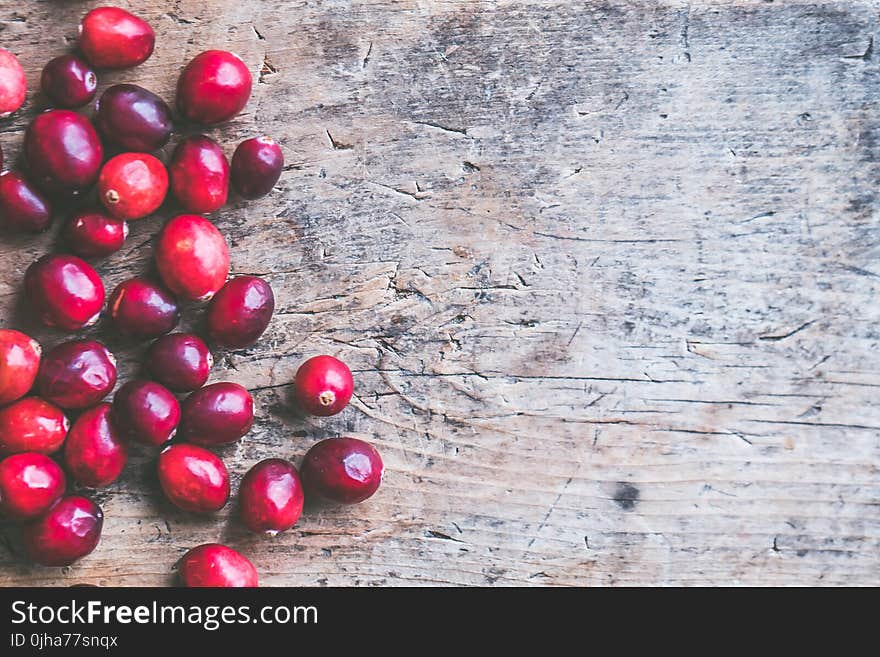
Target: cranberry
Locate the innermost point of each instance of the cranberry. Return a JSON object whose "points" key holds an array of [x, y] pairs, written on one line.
{"points": [[95, 453], [133, 118], [217, 414], [65, 291], [70, 530], [214, 565], [193, 478], [240, 312], [256, 167], [192, 257], [13, 84], [68, 82], [344, 470], [22, 207], [63, 152], [111, 37], [32, 425], [213, 88], [323, 386], [180, 361], [132, 185], [143, 309], [95, 234], [19, 364], [30, 483], [271, 497], [147, 412], [77, 374], [199, 174]]}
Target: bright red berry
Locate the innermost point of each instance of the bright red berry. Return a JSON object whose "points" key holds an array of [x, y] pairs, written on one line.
{"points": [[22, 206], [256, 167], [77, 374], [323, 386], [65, 291], [63, 152], [133, 118], [214, 565], [68, 82], [132, 185], [217, 414], [213, 88], [32, 425], [13, 84], [271, 496], [95, 453], [30, 483], [142, 309], [180, 361], [240, 312], [344, 470], [68, 531], [147, 412], [193, 478], [111, 38], [199, 175], [19, 364], [94, 234], [192, 257]]}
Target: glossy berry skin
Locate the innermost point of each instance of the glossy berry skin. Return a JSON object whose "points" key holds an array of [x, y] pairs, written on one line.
{"points": [[77, 374], [180, 361], [142, 309], [68, 82], [271, 497], [256, 167], [213, 88], [32, 425], [240, 312], [146, 412], [30, 483], [344, 470], [94, 234], [19, 363], [13, 84], [323, 386], [68, 531], [133, 118], [95, 452], [112, 38], [193, 478], [199, 175], [22, 207], [213, 566], [132, 185], [63, 153], [192, 257], [65, 291], [217, 414]]}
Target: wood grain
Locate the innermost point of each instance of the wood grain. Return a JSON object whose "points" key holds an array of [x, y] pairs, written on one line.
{"points": [[607, 274]]}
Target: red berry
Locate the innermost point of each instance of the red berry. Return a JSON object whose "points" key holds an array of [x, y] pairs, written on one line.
{"points": [[132, 185], [193, 478], [323, 386], [70, 530], [217, 414], [94, 234], [192, 257], [95, 453], [111, 37], [19, 364], [240, 312], [68, 82], [22, 207], [213, 88], [199, 174], [32, 425], [213, 565], [143, 309], [65, 291], [271, 496], [256, 167], [77, 374], [344, 470], [133, 118], [180, 361], [13, 84], [147, 412], [63, 152], [30, 483]]}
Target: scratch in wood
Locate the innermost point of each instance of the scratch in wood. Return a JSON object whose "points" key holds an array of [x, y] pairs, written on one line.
{"points": [[338, 145], [430, 533], [865, 56], [686, 23], [783, 336], [859, 271], [266, 69], [550, 510], [417, 196], [763, 215], [438, 126], [257, 32], [366, 59], [574, 335], [601, 241]]}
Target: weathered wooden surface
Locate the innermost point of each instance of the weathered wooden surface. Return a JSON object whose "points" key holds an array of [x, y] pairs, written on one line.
{"points": [[607, 274]]}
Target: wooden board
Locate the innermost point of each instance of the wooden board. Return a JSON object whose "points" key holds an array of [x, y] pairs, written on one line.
{"points": [[607, 274]]}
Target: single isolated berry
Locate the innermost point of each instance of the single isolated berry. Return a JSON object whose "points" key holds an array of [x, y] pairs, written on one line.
{"points": [[22, 206], [68, 82], [133, 118], [19, 363], [68, 531], [113, 38], [142, 309], [30, 483], [13, 84], [271, 497], [132, 185], [192, 257], [214, 87], [180, 361], [32, 425], [256, 167], [199, 175], [240, 312], [217, 414], [213, 565], [344, 470], [146, 412], [193, 479], [95, 452], [94, 234], [323, 386], [65, 292], [63, 153], [77, 374]]}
